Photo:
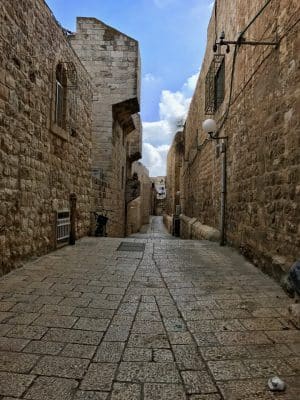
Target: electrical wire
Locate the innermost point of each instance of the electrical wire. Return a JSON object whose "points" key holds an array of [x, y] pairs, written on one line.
{"points": [[287, 31], [233, 65], [281, 32], [236, 47], [216, 20], [254, 19], [263, 61]]}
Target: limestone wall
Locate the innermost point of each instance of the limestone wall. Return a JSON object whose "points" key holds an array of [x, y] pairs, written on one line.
{"points": [[134, 216], [112, 60], [117, 180], [160, 186], [40, 163], [174, 167], [101, 199], [146, 191], [263, 129], [170, 181]]}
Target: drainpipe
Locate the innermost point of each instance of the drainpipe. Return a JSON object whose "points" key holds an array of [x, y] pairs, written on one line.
{"points": [[223, 193], [125, 218], [210, 127], [125, 195], [73, 200]]}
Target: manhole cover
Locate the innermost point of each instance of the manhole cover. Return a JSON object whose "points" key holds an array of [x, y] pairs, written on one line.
{"points": [[131, 246]]}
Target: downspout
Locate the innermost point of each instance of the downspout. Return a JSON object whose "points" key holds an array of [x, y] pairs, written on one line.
{"points": [[223, 145], [125, 219], [125, 195], [223, 193]]}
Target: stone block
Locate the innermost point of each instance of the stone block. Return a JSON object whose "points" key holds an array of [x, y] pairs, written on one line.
{"points": [[109, 352], [99, 377], [50, 388], [126, 391], [198, 382], [64, 367], [148, 372], [16, 362], [294, 314], [12, 384], [154, 391]]}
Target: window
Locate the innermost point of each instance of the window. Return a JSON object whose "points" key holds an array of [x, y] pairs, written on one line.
{"points": [[60, 96], [215, 84], [122, 177], [219, 85], [64, 100]]}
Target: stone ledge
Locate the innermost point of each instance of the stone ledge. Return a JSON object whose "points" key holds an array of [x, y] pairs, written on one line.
{"points": [[58, 131], [294, 314], [168, 222], [197, 230]]}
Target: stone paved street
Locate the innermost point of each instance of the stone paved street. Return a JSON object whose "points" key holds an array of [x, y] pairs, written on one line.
{"points": [[179, 320]]}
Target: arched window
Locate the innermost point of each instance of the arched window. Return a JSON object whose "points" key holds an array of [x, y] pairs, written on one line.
{"points": [[60, 96]]}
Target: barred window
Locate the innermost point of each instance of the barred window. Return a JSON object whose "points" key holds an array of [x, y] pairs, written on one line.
{"points": [[60, 96], [215, 84], [122, 177]]}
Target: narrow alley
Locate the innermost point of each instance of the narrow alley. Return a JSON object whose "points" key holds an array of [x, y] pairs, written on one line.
{"points": [[146, 317]]}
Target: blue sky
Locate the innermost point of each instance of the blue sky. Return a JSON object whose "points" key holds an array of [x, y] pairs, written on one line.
{"points": [[172, 38]]}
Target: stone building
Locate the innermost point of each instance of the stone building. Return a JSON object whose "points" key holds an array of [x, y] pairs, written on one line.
{"points": [[70, 130], [160, 186], [139, 210], [253, 94], [159, 195], [174, 165], [112, 60], [45, 133]]}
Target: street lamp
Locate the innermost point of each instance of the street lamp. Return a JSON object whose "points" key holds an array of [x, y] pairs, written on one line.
{"points": [[210, 127]]}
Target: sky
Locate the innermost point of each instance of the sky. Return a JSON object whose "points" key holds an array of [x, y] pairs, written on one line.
{"points": [[172, 39]]}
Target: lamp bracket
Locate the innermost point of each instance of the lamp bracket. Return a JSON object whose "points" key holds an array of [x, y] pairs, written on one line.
{"points": [[242, 41], [214, 136], [247, 42]]}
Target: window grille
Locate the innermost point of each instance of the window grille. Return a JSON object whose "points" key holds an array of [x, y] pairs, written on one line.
{"points": [[59, 109], [215, 84], [122, 177], [60, 96], [63, 225]]}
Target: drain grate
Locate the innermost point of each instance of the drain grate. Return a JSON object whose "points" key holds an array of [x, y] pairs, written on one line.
{"points": [[131, 246]]}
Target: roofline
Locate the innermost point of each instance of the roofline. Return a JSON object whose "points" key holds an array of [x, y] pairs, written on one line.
{"points": [[108, 26]]}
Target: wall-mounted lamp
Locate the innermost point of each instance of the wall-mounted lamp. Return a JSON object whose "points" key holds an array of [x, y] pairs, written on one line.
{"points": [[241, 41], [210, 127]]}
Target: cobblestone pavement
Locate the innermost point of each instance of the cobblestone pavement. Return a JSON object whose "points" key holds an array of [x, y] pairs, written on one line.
{"points": [[176, 320], [155, 230]]}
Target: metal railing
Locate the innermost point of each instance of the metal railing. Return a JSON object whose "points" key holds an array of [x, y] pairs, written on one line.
{"points": [[63, 225]]}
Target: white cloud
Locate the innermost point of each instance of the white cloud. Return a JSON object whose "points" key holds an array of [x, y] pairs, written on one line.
{"points": [[158, 132], [156, 158], [191, 83], [150, 78], [158, 135], [173, 107]]}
